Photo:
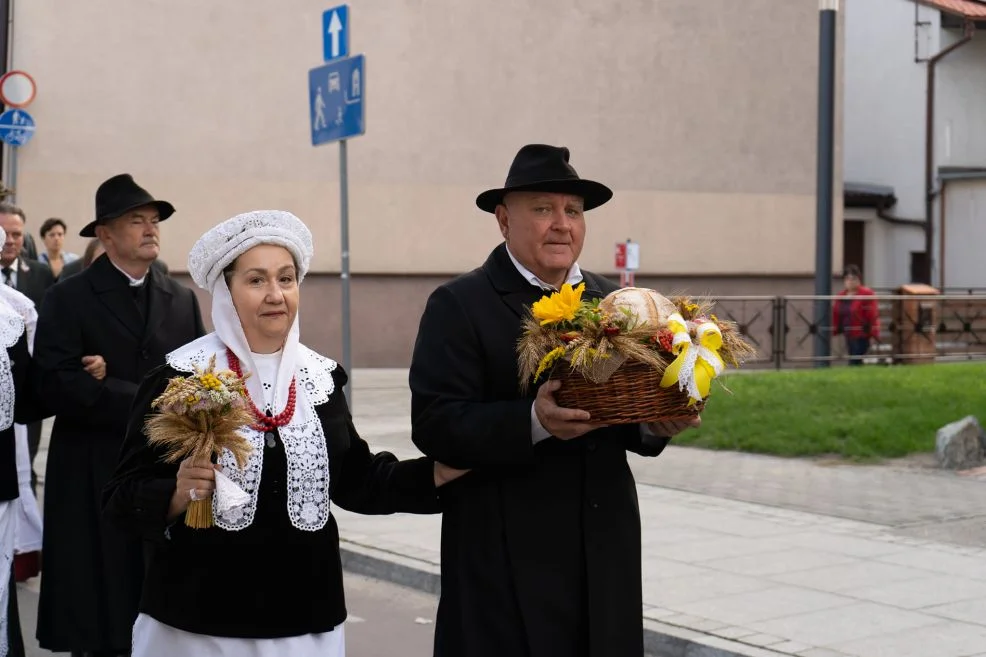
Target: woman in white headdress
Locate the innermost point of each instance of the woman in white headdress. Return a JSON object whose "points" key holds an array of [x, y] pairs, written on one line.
{"points": [[225, 590], [14, 360]]}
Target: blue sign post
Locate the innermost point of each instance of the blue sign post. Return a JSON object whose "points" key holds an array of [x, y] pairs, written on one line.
{"points": [[337, 112], [335, 33], [16, 127], [336, 96]]}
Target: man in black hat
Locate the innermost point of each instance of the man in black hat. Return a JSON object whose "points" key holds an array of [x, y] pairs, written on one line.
{"points": [[131, 315], [541, 541]]}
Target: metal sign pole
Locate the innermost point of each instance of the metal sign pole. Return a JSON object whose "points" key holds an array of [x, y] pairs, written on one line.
{"points": [[337, 112], [12, 173], [344, 275]]}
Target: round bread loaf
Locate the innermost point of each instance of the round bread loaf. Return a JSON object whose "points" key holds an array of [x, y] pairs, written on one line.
{"points": [[649, 307]]}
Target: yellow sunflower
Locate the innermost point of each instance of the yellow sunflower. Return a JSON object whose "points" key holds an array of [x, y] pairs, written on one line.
{"points": [[560, 306]]}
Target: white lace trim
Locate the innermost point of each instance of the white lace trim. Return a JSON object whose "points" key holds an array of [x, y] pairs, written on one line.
{"points": [[308, 477], [306, 452], [248, 479], [24, 307], [11, 328], [315, 375]]}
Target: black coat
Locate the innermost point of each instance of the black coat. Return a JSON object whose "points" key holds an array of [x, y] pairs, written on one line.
{"points": [[33, 280], [269, 579], [76, 267], [540, 544], [92, 572]]}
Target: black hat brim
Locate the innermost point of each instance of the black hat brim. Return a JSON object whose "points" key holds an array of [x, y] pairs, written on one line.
{"points": [[164, 210], [593, 193]]}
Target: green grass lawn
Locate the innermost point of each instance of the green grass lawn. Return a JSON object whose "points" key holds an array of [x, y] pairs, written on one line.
{"points": [[860, 413]]}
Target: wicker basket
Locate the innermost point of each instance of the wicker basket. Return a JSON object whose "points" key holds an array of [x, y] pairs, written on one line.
{"points": [[632, 394]]}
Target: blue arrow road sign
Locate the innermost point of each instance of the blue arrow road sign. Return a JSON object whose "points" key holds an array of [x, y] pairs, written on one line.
{"points": [[16, 127], [335, 33], [337, 100]]}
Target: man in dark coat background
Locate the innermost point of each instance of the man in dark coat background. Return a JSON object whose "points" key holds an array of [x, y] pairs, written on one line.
{"points": [[540, 548], [99, 333], [29, 277]]}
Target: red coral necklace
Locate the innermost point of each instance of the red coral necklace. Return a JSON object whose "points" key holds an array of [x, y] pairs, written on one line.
{"points": [[264, 422]]}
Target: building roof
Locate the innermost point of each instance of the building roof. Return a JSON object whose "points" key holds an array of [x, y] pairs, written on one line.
{"points": [[972, 9], [961, 173], [867, 195]]}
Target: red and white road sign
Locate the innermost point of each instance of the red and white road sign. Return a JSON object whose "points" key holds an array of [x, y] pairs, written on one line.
{"points": [[17, 89], [621, 256]]}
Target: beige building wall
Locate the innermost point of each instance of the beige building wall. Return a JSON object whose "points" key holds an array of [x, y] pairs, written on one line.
{"points": [[700, 115]]}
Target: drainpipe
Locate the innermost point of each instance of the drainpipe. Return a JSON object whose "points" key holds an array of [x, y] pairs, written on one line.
{"points": [[881, 212], [941, 239], [929, 147]]}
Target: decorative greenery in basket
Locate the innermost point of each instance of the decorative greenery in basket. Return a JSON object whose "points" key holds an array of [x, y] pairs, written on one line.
{"points": [[606, 341]]}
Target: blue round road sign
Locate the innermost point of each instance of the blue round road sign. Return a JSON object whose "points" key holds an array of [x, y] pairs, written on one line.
{"points": [[16, 127]]}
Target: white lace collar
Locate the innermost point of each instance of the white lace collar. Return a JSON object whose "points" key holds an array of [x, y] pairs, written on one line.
{"points": [[24, 307], [303, 439], [11, 328]]}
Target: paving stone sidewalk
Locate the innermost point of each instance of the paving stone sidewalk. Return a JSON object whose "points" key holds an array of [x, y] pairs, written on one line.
{"points": [[746, 555], [789, 581]]}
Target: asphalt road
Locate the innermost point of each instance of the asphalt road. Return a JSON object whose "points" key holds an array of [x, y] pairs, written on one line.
{"points": [[384, 619]]}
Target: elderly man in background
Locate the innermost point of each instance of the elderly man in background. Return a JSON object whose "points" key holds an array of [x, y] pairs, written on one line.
{"points": [[99, 333]]}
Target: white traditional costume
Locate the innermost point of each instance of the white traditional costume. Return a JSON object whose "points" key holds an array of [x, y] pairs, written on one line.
{"points": [[28, 526], [267, 578], [12, 328]]}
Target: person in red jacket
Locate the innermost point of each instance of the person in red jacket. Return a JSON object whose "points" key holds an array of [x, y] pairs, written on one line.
{"points": [[858, 316]]}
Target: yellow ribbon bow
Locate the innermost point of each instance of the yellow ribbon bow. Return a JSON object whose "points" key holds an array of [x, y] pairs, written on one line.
{"points": [[697, 362]]}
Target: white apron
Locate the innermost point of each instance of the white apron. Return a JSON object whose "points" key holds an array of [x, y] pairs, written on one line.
{"points": [[155, 639], [27, 515]]}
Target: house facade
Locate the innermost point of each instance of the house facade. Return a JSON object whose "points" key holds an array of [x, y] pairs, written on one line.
{"points": [[702, 119], [914, 144]]}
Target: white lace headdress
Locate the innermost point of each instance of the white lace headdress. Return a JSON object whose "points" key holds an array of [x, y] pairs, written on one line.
{"points": [[303, 438], [221, 246], [11, 328]]}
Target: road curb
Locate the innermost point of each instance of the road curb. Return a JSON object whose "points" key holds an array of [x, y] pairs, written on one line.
{"points": [[390, 567], [660, 639]]}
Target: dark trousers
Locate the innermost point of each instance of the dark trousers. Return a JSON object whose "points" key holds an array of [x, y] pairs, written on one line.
{"points": [[857, 349], [15, 639]]}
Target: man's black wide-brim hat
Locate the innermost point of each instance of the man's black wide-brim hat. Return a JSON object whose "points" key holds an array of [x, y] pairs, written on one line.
{"points": [[542, 168], [118, 196]]}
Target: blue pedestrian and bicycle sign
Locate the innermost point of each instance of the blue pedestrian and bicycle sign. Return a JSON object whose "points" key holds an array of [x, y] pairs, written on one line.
{"points": [[16, 127], [336, 96]]}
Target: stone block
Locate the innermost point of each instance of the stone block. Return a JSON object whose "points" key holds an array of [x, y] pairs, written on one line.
{"points": [[961, 444]]}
